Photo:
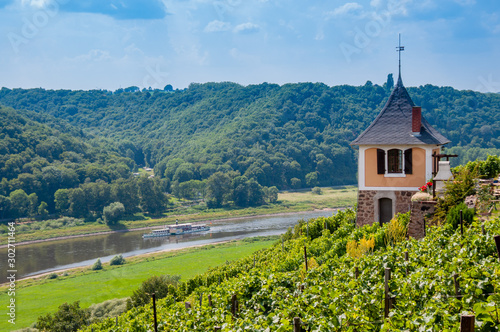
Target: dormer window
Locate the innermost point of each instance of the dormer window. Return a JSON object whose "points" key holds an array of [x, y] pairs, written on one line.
{"points": [[394, 162]]}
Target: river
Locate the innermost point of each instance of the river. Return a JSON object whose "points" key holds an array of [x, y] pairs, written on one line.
{"points": [[32, 259]]}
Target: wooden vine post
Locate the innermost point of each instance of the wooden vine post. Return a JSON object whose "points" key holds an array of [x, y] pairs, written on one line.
{"points": [[154, 312], [467, 323], [387, 277], [305, 256], [482, 229], [497, 243], [307, 229], [210, 301], [457, 285], [461, 222], [187, 305], [296, 324], [356, 272], [234, 305], [406, 259]]}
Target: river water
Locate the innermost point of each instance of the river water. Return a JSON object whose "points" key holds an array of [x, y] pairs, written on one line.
{"points": [[54, 255]]}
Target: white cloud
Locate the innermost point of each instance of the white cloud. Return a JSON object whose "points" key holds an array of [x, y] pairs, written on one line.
{"points": [[348, 8], [246, 28], [217, 26], [93, 56]]}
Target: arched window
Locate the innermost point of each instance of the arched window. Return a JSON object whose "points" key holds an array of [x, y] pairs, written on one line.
{"points": [[395, 161]]}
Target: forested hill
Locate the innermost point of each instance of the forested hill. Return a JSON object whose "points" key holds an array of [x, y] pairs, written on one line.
{"points": [[294, 135]]}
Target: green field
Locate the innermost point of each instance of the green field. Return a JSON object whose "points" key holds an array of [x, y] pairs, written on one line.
{"points": [[35, 297], [288, 202]]}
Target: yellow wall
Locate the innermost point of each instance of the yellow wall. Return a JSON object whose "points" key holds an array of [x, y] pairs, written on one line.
{"points": [[417, 179]]}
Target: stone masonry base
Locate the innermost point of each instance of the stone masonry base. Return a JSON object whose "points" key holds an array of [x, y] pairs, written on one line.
{"points": [[368, 204]]}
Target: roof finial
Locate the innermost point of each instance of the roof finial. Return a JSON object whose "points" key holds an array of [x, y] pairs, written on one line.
{"points": [[399, 49]]}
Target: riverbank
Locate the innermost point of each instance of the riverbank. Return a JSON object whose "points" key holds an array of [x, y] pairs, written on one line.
{"points": [[119, 281], [289, 202]]}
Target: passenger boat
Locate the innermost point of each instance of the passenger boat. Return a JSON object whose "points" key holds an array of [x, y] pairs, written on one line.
{"points": [[177, 230]]}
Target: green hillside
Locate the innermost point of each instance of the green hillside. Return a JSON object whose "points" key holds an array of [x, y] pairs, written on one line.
{"points": [[288, 136], [226, 143]]}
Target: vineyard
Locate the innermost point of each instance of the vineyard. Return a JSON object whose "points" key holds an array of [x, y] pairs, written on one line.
{"points": [[336, 277]]}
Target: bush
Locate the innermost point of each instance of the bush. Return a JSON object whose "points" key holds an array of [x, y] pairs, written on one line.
{"points": [[160, 285], [117, 260], [52, 276], [110, 308], [69, 317], [453, 216], [97, 265], [113, 212], [316, 191]]}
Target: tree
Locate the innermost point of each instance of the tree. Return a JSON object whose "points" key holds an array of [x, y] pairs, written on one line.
{"points": [[218, 189], [19, 203], [255, 193], [126, 191], [33, 204], [69, 318], [272, 194], [4, 206], [312, 179], [42, 209], [113, 212], [390, 83], [153, 200], [240, 191], [62, 200], [168, 88]]}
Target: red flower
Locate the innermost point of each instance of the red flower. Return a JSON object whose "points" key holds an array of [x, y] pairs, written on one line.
{"points": [[429, 184]]}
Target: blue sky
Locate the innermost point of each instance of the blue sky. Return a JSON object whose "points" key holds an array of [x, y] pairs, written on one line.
{"points": [[99, 44]]}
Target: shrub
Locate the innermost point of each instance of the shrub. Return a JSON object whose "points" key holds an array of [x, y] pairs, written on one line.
{"points": [[453, 216], [117, 260], [316, 191], [160, 285], [455, 193], [397, 229], [356, 250], [69, 317], [97, 265], [52, 276], [110, 308]]}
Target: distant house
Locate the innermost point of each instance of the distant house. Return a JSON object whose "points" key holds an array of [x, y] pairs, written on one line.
{"points": [[395, 158]]}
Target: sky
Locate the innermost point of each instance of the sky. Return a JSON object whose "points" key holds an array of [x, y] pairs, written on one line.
{"points": [[96, 44]]}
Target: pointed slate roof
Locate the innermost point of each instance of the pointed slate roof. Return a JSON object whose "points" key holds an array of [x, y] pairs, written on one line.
{"points": [[393, 124]]}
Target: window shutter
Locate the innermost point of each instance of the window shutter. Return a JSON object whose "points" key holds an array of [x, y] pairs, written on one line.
{"points": [[408, 162], [380, 161]]}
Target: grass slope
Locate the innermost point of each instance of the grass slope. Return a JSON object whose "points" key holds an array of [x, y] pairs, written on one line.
{"points": [[39, 297]]}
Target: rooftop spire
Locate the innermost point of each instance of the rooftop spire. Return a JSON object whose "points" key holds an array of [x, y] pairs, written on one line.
{"points": [[399, 49]]}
